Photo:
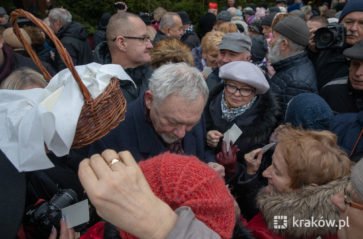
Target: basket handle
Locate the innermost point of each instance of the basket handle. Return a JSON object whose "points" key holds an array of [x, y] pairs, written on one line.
{"points": [[60, 48]]}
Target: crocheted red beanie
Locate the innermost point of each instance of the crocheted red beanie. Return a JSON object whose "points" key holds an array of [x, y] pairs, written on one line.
{"points": [[186, 181]]}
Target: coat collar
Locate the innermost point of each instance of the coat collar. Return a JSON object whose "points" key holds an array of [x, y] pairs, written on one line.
{"points": [[302, 204]]}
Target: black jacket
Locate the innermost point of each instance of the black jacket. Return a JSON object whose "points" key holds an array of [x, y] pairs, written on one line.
{"points": [[74, 38], [341, 97], [294, 75], [257, 124], [191, 39], [159, 36], [140, 75]]}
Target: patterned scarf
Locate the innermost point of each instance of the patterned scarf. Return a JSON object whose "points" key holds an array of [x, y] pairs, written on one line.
{"points": [[230, 114]]}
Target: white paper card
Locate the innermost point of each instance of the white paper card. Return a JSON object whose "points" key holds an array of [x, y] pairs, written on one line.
{"points": [[76, 214], [232, 135]]}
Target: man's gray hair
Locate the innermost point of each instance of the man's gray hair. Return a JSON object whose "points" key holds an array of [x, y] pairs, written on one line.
{"points": [[60, 14], [294, 47], [168, 20], [180, 78]]}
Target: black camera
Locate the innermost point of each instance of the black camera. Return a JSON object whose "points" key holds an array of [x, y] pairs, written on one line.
{"points": [[332, 36], [48, 214], [120, 5]]}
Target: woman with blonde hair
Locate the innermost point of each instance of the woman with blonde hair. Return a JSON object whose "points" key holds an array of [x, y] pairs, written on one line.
{"points": [[170, 51], [22, 79]]}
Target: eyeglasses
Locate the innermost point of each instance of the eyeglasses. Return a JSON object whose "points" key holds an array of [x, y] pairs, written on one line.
{"points": [[347, 201], [143, 38], [243, 91]]}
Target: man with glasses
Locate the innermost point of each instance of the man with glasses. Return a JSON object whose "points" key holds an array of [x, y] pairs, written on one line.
{"points": [[128, 45], [350, 204]]}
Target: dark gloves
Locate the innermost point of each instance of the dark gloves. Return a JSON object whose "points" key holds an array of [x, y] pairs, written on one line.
{"points": [[228, 159]]}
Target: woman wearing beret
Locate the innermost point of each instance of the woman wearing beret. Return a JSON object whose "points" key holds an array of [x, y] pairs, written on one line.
{"points": [[243, 99]]}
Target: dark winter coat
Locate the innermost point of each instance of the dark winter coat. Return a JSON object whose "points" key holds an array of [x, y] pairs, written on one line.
{"points": [[341, 96], [348, 127], [159, 36], [294, 75], [100, 35], [12, 198], [191, 39], [74, 38], [14, 61], [102, 53], [213, 79], [257, 124], [138, 136]]}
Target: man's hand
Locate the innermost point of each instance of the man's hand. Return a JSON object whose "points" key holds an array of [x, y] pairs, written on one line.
{"points": [[253, 160], [118, 189], [228, 159], [213, 137]]}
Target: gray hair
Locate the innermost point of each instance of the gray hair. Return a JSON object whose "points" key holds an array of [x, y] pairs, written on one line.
{"points": [[60, 14], [168, 20], [179, 78], [294, 47]]}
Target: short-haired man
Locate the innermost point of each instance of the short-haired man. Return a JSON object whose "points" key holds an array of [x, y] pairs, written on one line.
{"points": [[330, 63], [171, 26], [346, 93], [189, 37], [73, 36], [128, 45], [234, 47], [295, 73], [168, 117]]}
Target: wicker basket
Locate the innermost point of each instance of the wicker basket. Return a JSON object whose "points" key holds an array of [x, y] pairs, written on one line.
{"points": [[98, 116]]}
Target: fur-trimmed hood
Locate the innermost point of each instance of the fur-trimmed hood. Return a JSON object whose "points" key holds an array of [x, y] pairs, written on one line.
{"points": [[309, 203]]}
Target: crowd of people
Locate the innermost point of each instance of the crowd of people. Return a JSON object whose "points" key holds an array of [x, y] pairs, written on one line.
{"points": [[249, 125]]}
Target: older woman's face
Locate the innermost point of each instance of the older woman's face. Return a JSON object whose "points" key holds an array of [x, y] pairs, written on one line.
{"points": [[211, 58], [277, 174], [234, 97]]}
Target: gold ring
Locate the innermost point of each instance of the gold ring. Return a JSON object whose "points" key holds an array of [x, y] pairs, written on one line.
{"points": [[113, 161]]}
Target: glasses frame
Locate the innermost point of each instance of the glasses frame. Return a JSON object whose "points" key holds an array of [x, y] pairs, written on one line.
{"points": [[251, 91], [348, 201], [145, 39]]}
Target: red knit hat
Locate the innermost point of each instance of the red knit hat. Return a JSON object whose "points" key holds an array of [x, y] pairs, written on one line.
{"points": [[186, 181]]}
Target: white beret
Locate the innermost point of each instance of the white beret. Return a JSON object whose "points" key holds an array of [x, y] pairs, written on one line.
{"points": [[245, 72]]}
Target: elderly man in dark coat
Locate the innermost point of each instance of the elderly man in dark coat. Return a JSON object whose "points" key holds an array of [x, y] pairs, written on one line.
{"points": [[295, 73], [168, 117]]}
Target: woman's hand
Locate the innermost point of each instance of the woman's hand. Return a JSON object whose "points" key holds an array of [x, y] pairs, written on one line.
{"points": [[253, 160], [65, 232], [118, 189], [228, 158], [213, 137]]}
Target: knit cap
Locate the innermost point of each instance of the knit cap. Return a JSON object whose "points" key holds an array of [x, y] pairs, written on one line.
{"points": [[267, 21], [309, 111], [186, 181], [295, 29], [357, 178], [351, 6], [224, 16]]}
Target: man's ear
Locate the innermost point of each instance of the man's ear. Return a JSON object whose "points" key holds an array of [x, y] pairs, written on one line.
{"points": [[338, 201], [121, 43], [248, 58], [148, 99]]}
